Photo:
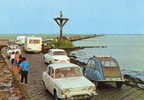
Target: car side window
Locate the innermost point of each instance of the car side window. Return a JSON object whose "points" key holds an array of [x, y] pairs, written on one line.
{"points": [[48, 70], [51, 72]]}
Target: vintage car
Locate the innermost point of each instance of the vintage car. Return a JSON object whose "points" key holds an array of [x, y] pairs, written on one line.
{"points": [[55, 56], [66, 81], [13, 48], [103, 69]]}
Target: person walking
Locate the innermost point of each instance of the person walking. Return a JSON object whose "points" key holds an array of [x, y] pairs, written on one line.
{"points": [[24, 66], [12, 57]]}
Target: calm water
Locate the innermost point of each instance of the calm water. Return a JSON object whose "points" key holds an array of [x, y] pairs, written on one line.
{"points": [[127, 49]]}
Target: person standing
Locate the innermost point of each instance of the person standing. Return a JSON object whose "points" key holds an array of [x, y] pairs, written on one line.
{"points": [[12, 57], [13, 61], [24, 66], [17, 58]]}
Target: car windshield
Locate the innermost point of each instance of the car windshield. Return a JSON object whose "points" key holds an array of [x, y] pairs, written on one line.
{"points": [[59, 53], [67, 72], [13, 47]]}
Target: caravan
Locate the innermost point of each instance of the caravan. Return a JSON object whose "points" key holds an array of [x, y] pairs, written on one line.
{"points": [[33, 44]]}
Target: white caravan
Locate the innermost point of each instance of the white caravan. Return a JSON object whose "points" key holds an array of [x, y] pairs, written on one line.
{"points": [[33, 44], [20, 40]]}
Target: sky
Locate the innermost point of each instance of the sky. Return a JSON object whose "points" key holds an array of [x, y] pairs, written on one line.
{"points": [[86, 16]]}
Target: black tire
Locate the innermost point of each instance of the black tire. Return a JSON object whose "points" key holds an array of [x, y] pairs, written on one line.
{"points": [[119, 85], [50, 62], [44, 61], [55, 96]]}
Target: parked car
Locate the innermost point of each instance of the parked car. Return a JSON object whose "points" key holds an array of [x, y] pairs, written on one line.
{"points": [[20, 40], [66, 81], [104, 69], [12, 48], [55, 56]]}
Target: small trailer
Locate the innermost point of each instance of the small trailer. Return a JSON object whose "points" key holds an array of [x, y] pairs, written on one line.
{"points": [[33, 44], [104, 69]]}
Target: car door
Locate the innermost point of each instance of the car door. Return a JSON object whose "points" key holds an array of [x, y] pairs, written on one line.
{"points": [[50, 79], [47, 56]]}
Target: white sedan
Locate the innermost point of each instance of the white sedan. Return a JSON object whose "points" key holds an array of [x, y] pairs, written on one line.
{"points": [[65, 81], [56, 56], [13, 48]]}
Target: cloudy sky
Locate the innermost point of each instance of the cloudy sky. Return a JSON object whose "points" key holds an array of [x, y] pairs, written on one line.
{"points": [[86, 16]]}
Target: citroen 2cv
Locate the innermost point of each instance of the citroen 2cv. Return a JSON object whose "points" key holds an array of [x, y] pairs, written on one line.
{"points": [[103, 69]]}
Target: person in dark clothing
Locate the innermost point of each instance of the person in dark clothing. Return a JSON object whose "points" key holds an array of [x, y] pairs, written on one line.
{"points": [[24, 65]]}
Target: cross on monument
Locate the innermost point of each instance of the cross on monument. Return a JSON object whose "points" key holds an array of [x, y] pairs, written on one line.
{"points": [[61, 21]]}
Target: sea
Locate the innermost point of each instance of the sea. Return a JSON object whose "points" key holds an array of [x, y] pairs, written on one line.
{"points": [[128, 50]]}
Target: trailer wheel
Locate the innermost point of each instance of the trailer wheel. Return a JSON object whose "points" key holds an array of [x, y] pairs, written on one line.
{"points": [[119, 85]]}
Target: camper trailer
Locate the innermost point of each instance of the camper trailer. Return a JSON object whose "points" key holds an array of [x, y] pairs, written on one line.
{"points": [[33, 44]]}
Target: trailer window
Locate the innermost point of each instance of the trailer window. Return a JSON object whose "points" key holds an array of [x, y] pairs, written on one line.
{"points": [[109, 64], [34, 41]]}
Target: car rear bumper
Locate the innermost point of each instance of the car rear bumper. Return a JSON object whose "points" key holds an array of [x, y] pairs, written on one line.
{"points": [[34, 51]]}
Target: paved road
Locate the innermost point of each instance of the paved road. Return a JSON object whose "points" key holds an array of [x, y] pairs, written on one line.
{"points": [[106, 92], [37, 90]]}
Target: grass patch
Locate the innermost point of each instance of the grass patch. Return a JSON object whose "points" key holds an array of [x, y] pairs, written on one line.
{"points": [[57, 43]]}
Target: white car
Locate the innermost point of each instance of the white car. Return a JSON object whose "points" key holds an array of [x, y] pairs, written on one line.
{"points": [[13, 48], [66, 81], [56, 56]]}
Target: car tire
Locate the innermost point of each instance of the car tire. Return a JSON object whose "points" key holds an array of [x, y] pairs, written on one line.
{"points": [[55, 96], [44, 60], [50, 62], [119, 85]]}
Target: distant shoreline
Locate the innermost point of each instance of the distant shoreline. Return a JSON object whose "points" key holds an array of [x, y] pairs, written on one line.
{"points": [[45, 36]]}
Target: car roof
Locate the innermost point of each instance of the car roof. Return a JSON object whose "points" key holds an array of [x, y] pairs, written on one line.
{"points": [[56, 49], [62, 65], [104, 58]]}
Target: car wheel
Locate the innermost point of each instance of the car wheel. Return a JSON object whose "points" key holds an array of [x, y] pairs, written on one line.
{"points": [[50, 62], [55, 96], [119, 85], [44, 61]]}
